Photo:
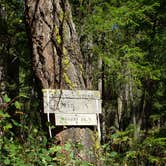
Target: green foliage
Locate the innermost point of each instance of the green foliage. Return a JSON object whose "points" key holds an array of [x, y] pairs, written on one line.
{"points": [[122, 150], [34, 149], [6, 98], [129, 37]]}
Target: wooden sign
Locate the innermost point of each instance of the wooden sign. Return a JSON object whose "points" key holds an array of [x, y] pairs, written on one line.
{"points": [[74, 94], [71, 101], [76, 119], [72, 107]]}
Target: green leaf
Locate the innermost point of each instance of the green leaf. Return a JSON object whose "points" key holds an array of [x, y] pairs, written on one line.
{"points": [[16, 123], [7, 127], [68, 146], [6, 98], [85, 163], [23, 95], [113, 154], [3, 114], [80, 146], [17, 105], [114, 135], [55, 149], [48, 158], [7, 161]]}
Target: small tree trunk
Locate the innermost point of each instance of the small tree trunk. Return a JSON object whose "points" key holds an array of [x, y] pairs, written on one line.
{"points": [[2, 61], [57, 60], [2, 85]]}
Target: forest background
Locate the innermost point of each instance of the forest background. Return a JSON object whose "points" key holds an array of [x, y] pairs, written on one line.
{"points": [[123, 48]]}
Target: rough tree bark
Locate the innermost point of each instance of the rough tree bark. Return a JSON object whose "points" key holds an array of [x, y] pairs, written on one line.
{"points": [[56, 56]]}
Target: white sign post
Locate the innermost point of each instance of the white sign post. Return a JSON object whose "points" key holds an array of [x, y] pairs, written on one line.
{"points": [[73, 107]]}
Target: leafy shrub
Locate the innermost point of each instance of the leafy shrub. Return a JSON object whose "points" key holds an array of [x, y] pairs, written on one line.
{"points": [[35, 149]]}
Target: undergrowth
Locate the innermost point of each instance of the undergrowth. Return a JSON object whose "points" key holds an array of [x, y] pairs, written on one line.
{"points": [[21, 145]]}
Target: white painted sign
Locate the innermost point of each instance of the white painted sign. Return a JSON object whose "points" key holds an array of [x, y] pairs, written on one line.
{"points": [[72, 107], [76, 119], [84, 94], [71, 101]]}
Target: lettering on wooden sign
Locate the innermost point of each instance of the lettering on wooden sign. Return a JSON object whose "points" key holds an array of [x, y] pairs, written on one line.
{"points": [[76, 119], [73, 107], [71, 101]]}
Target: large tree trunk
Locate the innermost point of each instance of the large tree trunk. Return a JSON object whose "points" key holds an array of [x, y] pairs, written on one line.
{"points": [[57, 60], [56, 53]]}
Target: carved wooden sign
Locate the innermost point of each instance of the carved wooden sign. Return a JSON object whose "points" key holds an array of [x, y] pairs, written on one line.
{"points": [[72, 107], [71, 101]]}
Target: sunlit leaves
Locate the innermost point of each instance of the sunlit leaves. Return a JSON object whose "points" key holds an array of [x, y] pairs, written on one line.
{"points": [[6, 98], [4, 114], [17, 105]]}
